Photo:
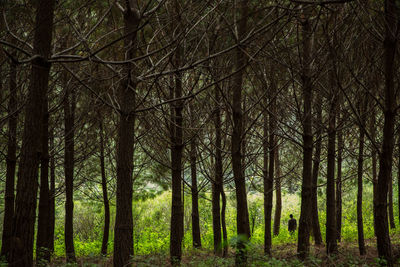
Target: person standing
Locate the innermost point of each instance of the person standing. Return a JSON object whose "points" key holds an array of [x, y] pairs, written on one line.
{"points": [[292, 225]]}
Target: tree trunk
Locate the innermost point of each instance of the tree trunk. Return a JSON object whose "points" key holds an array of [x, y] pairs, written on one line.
{"points": [[360, 227], [123, 233], [316, 230], [339, 184], [176, 155], [42, 245], [305, 222], [374, 167], [52, 195], [398, 175], [218, 180], [21, 252], [106, 229], [391, 213], [242, 217], [278, 194], [69, 133], [223, 222], [269, 187], [195, 196], [331, 230], [266, 184], [11, 162], [385, 157]]}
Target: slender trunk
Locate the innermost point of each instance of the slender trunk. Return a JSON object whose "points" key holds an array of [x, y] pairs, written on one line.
{"points": [[176, 156], [267, 216], [305, 222], [339, 184], [69, 133], [21, 252], [390, 202], [216, 218], [360, 227], [106, 229], [374, 167], [42, 245], [223, 222], [217, 183], [269, 189], [398, 174], [11, 161], [278, 194], [183, 209], [385, 157], [331, 230], [316, 230], [195, 196], [243, 149], [218, 180], [242, 217], [52, 195], [176, 164], [123, 231]]}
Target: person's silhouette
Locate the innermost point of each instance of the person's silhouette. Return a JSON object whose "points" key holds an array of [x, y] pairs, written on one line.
{"points": [[292, 226]]}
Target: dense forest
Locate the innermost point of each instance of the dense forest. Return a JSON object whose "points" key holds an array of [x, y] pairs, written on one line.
{"points": [[187, 133]]}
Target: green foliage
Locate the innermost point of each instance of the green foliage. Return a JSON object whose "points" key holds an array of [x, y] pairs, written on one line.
{"points": [[152, 226]]}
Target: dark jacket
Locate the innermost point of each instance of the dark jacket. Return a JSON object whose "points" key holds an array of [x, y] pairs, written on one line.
{"points": [[292, 225]]}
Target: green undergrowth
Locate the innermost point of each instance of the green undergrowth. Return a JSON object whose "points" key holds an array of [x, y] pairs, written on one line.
{"points": [[152, 224], [151, 219]]}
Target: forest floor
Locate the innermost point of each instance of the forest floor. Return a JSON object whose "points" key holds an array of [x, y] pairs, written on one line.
{"points": [[283, 255]]}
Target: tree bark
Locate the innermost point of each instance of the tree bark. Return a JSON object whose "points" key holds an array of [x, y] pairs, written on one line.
{"points": [[218, 178], [278, 194], [11, 161], [42, 245], [266, 184], [360, 226], [52, 195], [242, 217], [398, 173], [21, 252], [223, 222], [176, 155], [305, 222], [269, 187], [385, 157], [106, 229], [339, 182], [195, 196], [331, 230], [390, 202], [123, 233], [69, 135], [374, 166], [316, 230]]}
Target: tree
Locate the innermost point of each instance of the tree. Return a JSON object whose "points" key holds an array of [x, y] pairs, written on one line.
{"points": [[106, 230], [243, 226], [11, 161], [316, 230], [42, 239], [123, 234], [278, 193], [176, 151], [269, 189], [385, 157], [69, 132], [360, 160], [21, 251], [303, 242]]}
